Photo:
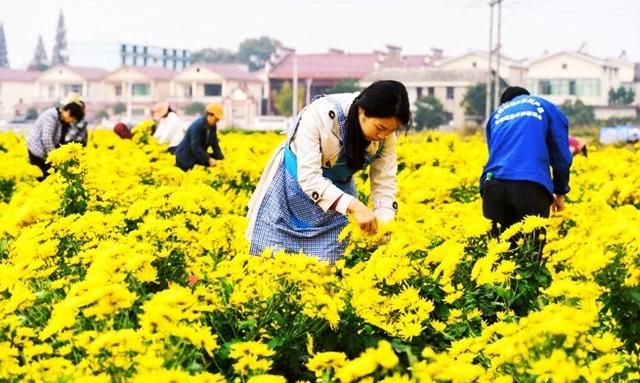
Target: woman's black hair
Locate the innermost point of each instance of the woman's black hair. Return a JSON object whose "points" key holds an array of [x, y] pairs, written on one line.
{"points": [[75, 109], [169, 110], [382, 99]]}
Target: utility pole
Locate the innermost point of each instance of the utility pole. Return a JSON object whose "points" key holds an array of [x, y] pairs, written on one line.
{"points": [[487, 107], [129, 99], [491, 80], [294, 91], [497, 92]]}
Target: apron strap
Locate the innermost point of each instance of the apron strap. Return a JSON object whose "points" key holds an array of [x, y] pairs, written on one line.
{"points": [[298, 118], [342, 123], [342, 119]]}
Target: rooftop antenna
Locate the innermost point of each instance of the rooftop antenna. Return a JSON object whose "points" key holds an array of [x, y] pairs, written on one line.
{"points": [[582, 48]]}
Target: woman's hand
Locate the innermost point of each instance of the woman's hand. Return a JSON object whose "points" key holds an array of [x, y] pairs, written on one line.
{"points": [[212, 162], [364, 216]]}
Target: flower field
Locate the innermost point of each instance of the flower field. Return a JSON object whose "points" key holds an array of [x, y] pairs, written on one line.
{"points": [[122, 268]]}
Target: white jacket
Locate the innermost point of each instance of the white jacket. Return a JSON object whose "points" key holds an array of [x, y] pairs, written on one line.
{"points": [[170, 130], [317, 145]]}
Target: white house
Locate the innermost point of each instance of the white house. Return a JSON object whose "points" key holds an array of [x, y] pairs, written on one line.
{"points": [[512, 71], [448, 86], [569, 75], [16, 91], [232, 85], [136, 87], [55, 83]]}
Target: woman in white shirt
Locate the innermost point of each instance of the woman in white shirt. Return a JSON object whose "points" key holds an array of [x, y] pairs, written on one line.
{"points": [[307, 189], [170, 130]]}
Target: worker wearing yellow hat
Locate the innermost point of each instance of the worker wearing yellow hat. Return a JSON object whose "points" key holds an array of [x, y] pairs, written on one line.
{"points": [[201, 135]]}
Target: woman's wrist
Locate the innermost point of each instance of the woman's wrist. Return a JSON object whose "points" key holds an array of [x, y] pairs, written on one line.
{"points": [[354, 205]]}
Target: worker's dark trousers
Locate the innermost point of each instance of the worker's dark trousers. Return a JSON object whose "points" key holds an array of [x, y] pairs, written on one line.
{"points": [[39, 162], [508, 202]]}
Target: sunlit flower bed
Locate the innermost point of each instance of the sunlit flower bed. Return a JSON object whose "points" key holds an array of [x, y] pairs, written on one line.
{"points": [[122, 268]]}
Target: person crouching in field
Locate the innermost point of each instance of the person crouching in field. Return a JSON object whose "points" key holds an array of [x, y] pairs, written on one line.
{"points": [[307, 189], [169, 130], [201, 135], [55, 127], [526, 136]]}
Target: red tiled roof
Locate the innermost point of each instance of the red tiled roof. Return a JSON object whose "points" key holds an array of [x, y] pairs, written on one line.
{"points": [[326, 66], [413, 61], [427, 75], [89, 73], [156, 73], [17, 75], [231, 71]]}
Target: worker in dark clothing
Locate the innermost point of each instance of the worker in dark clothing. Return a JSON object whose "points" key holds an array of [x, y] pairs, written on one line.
{"points": [[527, 136], [201, 135]]}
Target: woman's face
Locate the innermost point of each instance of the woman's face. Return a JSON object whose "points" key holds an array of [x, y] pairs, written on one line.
{"points": [[67, 117], [377, 128]]}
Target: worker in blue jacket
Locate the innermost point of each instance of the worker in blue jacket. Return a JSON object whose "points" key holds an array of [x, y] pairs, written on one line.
{"points": [[527, 136], [201, 135]]}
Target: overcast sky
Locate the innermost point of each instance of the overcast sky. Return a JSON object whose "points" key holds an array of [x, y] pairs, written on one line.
{"points": [[529, 27]]}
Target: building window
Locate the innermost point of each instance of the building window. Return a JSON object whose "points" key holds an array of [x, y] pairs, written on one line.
{"points": [[588, 87], [627, 85], [118, 90], [141, 89], [448, 116], [544, 87], [565, 87], [211, 90], [52, 91], [450, 93], [564, 66], [474, 64], [430, 91], [188, 91], [418, 93], [68, 88]]}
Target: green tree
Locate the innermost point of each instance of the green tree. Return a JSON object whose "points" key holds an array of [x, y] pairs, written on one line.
{"points": [[345, 86], [429, 113], [60, 54], [39, 60], [214, 55], [256, 52], [194, 108], [119, 108], [629, 97], [475, 101], [578, 113], [4, 58], [282, 99], [621, 96]]}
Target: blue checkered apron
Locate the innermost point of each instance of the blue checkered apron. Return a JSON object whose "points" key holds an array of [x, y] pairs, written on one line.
{"points": [[289, 220]]}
